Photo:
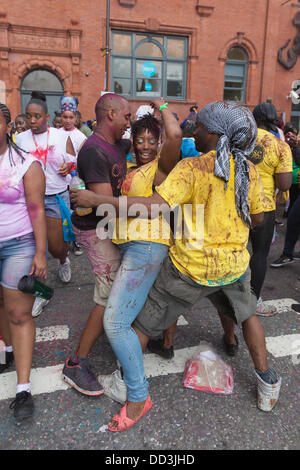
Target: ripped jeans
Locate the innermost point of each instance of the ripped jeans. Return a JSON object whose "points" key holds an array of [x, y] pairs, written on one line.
{"points": [[141, 263]]}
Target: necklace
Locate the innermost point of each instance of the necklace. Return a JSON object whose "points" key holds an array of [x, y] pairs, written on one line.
{"points": [[40, 152]]}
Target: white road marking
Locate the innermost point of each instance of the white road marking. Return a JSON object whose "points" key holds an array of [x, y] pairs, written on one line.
{"points": [[43, 380], [52, 333], [182, 321], [49, 379], [286, 345]]}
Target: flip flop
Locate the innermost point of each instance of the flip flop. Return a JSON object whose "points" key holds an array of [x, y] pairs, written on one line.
{"points": [[124, 422]]}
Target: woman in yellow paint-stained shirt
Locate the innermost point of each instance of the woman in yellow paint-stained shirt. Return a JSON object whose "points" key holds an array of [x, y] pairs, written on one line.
{"points": [[143, 246], [273, 160]]}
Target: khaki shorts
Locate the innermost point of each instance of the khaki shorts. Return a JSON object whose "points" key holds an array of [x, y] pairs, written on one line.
{"points": [[173, 293], [105, 259]]}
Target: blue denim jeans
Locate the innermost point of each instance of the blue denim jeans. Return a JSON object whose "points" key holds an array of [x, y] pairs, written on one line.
{"points": [[141, 263], [16, 258]]}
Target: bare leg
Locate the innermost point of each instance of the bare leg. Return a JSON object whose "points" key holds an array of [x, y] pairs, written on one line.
{"points": [[254, 336], [228, 327], [56, 244], [18, 307], [93, 329], [4, 324], [169, 334]]}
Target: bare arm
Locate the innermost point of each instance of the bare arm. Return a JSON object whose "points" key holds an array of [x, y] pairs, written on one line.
{"points": [[283, 181], [256, 219], [170, 151], [34, 186], [85, 198]]}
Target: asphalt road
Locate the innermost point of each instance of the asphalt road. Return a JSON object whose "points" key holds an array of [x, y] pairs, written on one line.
{"points": [[181, 418]]}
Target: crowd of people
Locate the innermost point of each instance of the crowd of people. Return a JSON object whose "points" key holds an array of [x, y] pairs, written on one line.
{"points": [[142, 174]]}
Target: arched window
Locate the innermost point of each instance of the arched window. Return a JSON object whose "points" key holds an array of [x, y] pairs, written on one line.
{"points": [[235, 79], [148, 65], [48, 83]]}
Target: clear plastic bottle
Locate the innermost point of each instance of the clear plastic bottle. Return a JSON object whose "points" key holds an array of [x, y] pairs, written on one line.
{"points": [[78, 183]]}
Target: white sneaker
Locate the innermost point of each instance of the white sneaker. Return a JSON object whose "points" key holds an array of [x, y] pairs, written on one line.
{"points": [[114, 386], [64, 271], [38, 306], [265, 310], [267, 394]]}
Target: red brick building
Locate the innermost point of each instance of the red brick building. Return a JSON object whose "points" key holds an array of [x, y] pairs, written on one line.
{"points": [[188, 51]]}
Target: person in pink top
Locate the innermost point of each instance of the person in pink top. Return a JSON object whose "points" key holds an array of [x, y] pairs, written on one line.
{"points": [[22, 252]]}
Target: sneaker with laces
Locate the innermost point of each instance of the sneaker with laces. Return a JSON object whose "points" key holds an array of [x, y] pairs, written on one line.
{"points": [[80, 376], [281, 261], [267, 394], [265, 310], [64, 271], [77, 249], [22, 405], [9, 358], [38, 306], [114, 386]]}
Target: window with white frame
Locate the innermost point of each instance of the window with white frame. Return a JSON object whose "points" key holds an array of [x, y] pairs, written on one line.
{"points": [[148, 65]]}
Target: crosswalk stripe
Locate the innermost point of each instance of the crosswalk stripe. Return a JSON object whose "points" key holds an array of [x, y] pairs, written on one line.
{"points": [[285, 345], [49, 379], [52, 333]]}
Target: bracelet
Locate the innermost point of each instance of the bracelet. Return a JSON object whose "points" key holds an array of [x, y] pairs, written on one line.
{"points": [[163, 106]]}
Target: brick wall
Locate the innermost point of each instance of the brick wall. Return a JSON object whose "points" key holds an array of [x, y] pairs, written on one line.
{"points": [[213, 26]]}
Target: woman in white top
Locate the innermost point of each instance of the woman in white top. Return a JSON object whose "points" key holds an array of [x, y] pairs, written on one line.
{"points": [[69, 129], [23, 241], [49, 146]]}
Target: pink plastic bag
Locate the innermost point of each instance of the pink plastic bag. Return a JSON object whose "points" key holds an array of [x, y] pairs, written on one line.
{"points": [[206, 371]]}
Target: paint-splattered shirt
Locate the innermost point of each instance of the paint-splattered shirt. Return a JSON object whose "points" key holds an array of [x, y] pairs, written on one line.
{"points": [[14, 218], [271, 156], [100, 162], [212, 250]]}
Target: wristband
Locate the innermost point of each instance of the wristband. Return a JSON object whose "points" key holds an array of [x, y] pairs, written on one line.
{"points": [[163, 106]]}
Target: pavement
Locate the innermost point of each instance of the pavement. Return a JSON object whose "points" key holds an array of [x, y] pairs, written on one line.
{"points": [[181, 418]]}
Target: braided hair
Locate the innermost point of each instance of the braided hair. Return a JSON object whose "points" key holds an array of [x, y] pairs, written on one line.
{"points": [[147, 122], [10, 143]]}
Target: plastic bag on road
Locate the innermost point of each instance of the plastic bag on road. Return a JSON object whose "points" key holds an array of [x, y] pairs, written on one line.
{"points": [[206, 371]]}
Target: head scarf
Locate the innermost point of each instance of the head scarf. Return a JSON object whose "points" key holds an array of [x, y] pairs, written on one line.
{"points": [[238, 131], [68, 103]]}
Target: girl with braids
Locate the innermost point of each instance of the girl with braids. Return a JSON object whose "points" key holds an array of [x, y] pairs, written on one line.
{"points": [[142, 255], [22, 252], [50, 147]]}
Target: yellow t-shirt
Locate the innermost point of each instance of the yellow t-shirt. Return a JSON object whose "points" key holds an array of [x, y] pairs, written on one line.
{"points": [[221, 257], [139, 182], [270, 156]]}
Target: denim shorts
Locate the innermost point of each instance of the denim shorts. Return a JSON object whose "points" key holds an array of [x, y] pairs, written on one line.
{"points": [[16, 257], [52, 206]]}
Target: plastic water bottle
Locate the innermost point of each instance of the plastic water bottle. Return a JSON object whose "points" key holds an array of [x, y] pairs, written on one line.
{"points": [[32, 285], [78, 183]]}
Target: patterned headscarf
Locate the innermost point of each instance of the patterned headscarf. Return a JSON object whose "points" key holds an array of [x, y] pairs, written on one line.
{"points": [[237, 129], [68, 103]]}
